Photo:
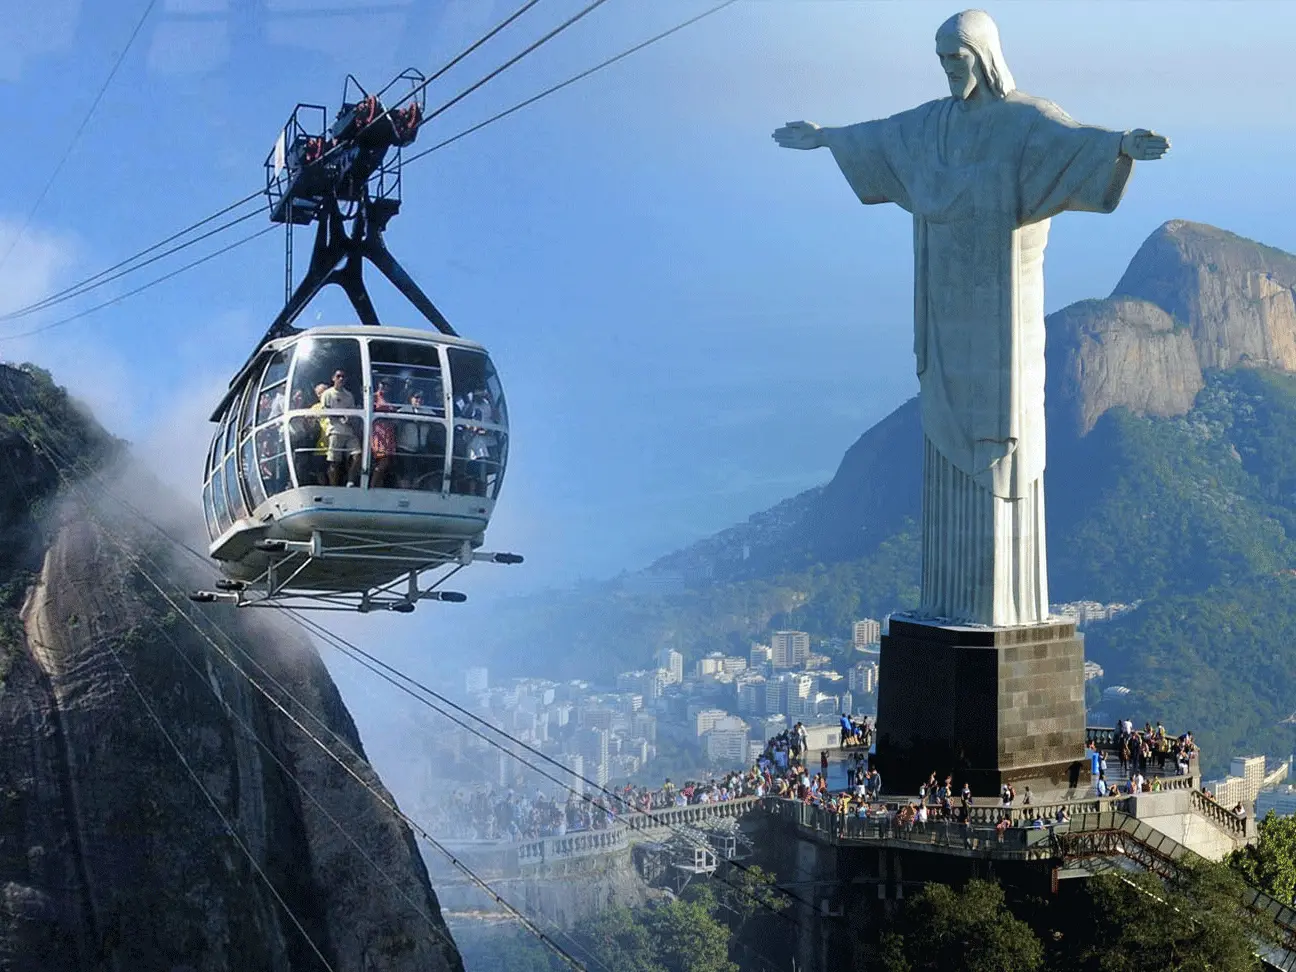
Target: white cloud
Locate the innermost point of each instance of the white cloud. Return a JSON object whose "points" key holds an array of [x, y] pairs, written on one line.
{"points": [[31, 30], [36, 265]]}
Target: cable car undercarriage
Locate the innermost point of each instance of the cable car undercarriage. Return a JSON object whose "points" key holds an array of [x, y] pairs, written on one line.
{"points": [[422, 561]]}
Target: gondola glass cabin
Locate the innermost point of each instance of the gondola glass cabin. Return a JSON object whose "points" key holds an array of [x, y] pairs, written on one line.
{"points": [[353, 467], [383, 449]]}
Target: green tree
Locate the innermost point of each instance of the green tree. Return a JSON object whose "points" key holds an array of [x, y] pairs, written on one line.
{"points": [[688, 938], [671, 936], [971, 930], [616, 939], [1193, 923], [1270, 864], [506, 948], [744, 894]]}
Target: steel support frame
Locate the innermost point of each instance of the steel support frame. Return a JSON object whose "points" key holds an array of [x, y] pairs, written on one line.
{"points": [[273, 588], [338, 258]]}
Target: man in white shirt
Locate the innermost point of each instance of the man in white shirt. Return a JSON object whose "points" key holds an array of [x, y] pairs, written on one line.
{"points": [[344, 448]]}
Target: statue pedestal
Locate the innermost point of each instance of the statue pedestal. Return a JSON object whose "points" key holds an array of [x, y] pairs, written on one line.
{"points": [[987, 705]]}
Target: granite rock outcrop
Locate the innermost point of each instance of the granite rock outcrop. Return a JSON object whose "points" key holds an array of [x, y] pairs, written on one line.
{"points": [[1193, 299], [164, 802]]}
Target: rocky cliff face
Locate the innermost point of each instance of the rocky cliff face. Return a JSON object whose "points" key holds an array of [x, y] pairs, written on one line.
{"points": [[1194, 298], [1121, 352], [130, 743], [1234, 295]]}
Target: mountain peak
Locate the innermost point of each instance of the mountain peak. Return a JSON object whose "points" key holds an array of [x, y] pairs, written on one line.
{"points": [[1194, 298]]}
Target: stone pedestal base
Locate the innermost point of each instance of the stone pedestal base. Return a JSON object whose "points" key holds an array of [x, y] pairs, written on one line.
{"points": [[987, 705]]}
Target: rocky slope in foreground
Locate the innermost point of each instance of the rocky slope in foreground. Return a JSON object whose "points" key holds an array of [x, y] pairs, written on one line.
{"points": [[118, 720]]}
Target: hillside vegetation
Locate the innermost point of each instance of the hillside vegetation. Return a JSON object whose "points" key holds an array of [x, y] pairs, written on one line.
{"points": [[1171, 481]]}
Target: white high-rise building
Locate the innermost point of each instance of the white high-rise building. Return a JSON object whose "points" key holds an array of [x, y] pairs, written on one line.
{"points": [[776, 694], [574, 762], [726, 742], [673, 662], [867, 632], [592, 744], [800, 696], [712, 664], [751, 694], [644, 724], [707, 719], [732, 664], [759, 655], [1252, 771], [790, 648], [476, 681]]}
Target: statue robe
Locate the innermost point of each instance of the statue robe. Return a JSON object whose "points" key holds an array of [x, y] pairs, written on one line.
{"points": [[982, 183]]}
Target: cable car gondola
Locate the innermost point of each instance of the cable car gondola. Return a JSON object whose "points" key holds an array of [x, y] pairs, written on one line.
{"points": [[353, 467]]}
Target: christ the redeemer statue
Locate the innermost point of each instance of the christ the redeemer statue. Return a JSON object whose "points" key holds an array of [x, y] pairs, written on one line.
{"points": [[982, 172]]}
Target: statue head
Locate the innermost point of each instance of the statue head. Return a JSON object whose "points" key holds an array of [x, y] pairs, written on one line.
{"points": [[968, 47]]}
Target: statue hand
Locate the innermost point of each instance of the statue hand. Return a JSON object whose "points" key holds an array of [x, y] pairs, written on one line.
{"points": [[800, 135], [1143, 145]]}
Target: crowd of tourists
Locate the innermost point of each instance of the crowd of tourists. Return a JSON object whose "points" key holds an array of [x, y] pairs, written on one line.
{"points": [[1144, 756], [786, 768]]}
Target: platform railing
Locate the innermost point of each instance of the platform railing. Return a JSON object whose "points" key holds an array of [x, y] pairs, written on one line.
{"points": [[836, 828], [547, 850], [1223, 818], [691, 814]]}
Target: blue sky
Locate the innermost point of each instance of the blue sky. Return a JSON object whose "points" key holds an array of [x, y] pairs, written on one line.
{"points": [[690, 324]]}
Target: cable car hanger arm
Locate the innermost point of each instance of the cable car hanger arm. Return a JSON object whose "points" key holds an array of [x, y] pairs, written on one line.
{"points": [[337, 258]]}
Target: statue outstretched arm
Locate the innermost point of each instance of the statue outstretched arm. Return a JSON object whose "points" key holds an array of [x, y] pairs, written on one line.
{"points": [[1143, 145], [801, 135]]}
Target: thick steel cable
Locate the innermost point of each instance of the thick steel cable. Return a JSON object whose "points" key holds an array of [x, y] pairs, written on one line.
{"points": [[534, 46], [252, 734], [570, 81], [79, 288], [138, 290], [96, 280], [229, 827]]}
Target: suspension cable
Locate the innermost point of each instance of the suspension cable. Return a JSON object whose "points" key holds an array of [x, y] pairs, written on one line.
{"points": [[97, 279], [140, 289], [570, 81], [76, 290]]}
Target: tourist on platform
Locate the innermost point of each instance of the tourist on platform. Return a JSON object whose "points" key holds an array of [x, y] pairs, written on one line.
{"points": [[875, 780]]}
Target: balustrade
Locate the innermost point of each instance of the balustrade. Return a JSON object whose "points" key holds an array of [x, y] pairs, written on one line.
{"points": [[569, 846], [1222, 817], [692, 813]]}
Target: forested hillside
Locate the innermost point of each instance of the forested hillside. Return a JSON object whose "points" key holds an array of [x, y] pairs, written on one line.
{"points": [[1171, 480]]}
